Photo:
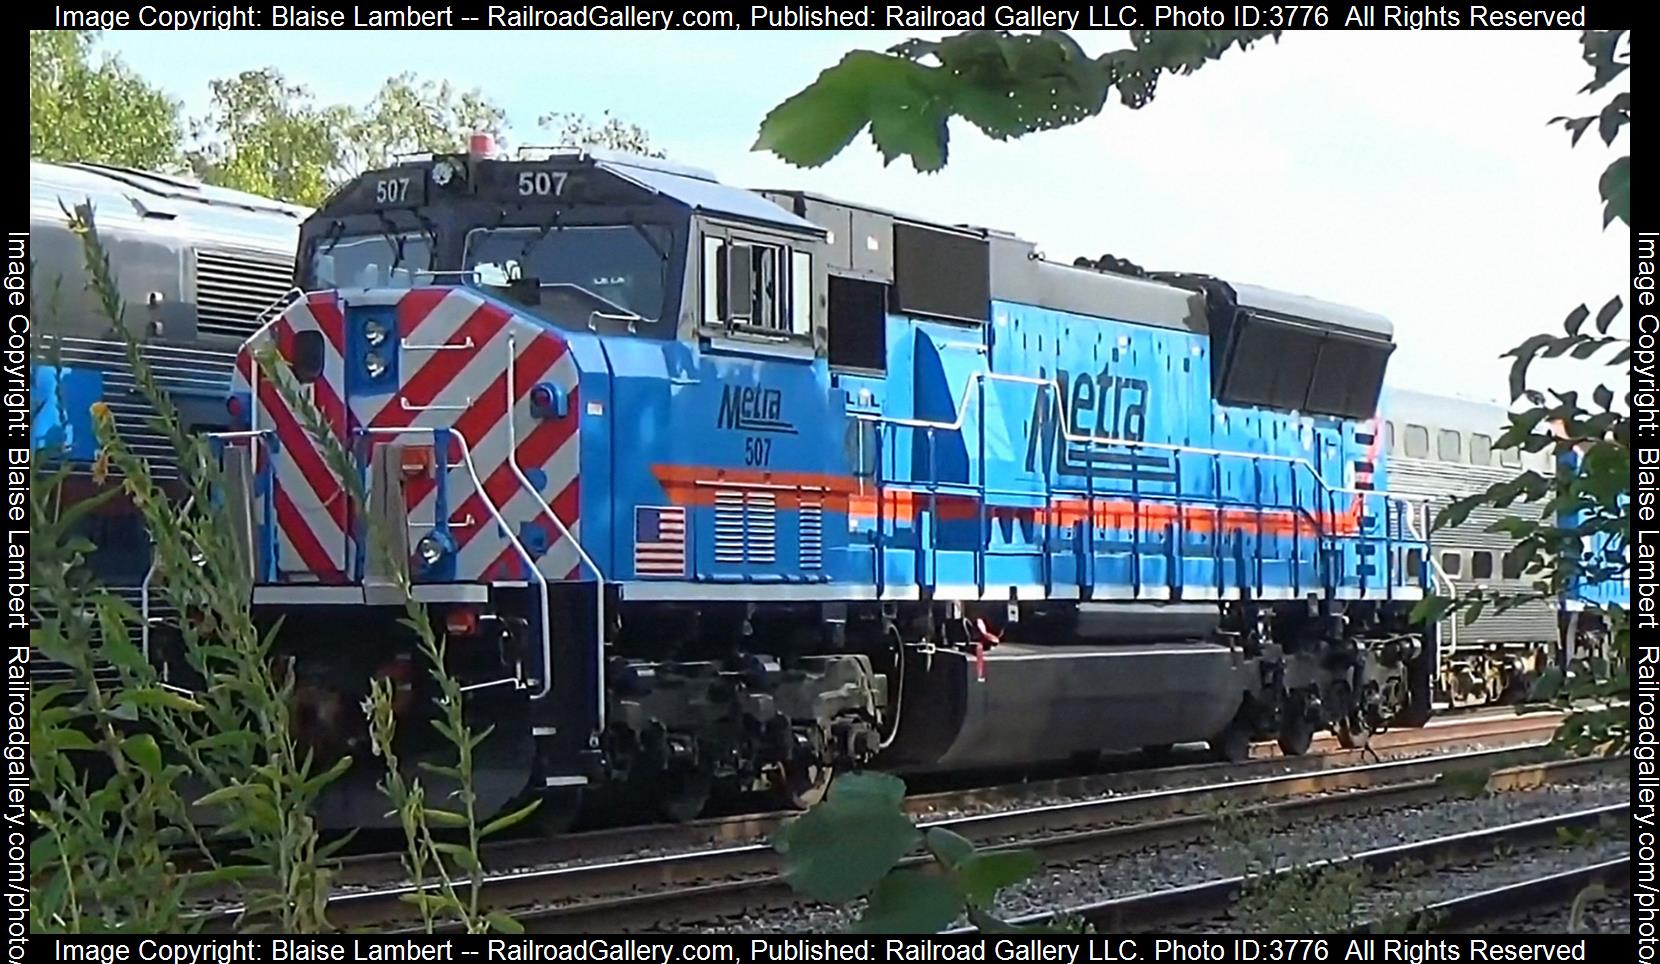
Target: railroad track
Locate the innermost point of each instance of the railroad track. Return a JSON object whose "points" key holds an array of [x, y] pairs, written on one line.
{"points": [[1211, 900], [646, 893], [1510, 902], [1501, 729], [1471, 726]]}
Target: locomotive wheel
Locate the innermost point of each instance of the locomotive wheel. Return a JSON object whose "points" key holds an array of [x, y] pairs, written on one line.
{"points": [[682, 793], [802, 784], [1296, 735]]}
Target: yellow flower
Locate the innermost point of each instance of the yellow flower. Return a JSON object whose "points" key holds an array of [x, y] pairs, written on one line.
{"points": [[100, 410], [101, 466]]}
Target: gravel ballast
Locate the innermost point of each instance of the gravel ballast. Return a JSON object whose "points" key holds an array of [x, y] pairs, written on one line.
{"points": [[1226, 854]]}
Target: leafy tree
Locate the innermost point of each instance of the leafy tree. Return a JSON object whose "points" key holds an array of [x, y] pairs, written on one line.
{"points": [[267, 136], [1007, 85], [609, 133], [412, 116], [1581, 530], [103, 112]]}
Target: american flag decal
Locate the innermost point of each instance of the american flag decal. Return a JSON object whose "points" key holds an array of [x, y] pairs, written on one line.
{"points": [[659, 541]]}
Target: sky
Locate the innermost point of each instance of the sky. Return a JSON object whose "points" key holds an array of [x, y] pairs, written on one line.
{"points": [[1407, 173]]}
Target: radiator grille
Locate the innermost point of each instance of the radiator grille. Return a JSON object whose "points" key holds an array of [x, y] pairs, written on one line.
{"points": [[184, 373], [812, 533], [234, 291], [746, 527]]}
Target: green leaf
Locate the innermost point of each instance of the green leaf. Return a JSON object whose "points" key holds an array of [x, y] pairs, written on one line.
{"points": [[464, 858], [503, 922], [1615, 185], [144, 752], [838, 850], [443, 818], [983, 876], [910, 901], [951, 849], [1548, 684], [155, 698], [1575, 320], [1606, 315], [1591, 347], [236, 792], [883, 789], [916, 127], [813, 126], [503, 822], [1432, 609], [315, 785]]}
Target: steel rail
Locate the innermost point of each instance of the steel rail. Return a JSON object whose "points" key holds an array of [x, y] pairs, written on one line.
{"points": [[649, 891]]}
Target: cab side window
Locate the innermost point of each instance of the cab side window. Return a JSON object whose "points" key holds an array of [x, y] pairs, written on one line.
{"points": [[756, 286]]}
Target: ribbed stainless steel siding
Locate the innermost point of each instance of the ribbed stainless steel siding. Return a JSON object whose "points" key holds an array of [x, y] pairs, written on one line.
{"points": [[1444, 482]]}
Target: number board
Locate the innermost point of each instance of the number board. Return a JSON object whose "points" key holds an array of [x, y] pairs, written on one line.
{"points": [[399, 187], [531, 183]]}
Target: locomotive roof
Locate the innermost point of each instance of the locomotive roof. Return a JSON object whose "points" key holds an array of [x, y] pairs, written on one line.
{"points": [[164, 205], [148, 191], [494, 178], [699, 190]]}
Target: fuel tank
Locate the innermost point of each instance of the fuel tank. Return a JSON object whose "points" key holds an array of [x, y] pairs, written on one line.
{"points": [[1026, 704]]}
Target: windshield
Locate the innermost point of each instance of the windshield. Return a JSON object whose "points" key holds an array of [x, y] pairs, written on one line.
{"points": [[621, 265], [372, 261]]}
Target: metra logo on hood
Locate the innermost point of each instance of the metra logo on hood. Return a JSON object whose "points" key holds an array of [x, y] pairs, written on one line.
{"points": [[753, 410]]}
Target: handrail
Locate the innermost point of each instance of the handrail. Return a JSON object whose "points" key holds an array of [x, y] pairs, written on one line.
{"points": [[1437, 574], [979, 377], [495, 513], [587, 560]]}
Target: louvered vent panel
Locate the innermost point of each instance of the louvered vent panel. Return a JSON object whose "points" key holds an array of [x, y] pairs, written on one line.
{"points": [[812, 532], [729, 527], [746, 527], [233, 291]]}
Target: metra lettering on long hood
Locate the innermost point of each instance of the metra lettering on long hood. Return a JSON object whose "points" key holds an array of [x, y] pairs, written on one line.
{"points": [[752, 409], [1109, 407]]}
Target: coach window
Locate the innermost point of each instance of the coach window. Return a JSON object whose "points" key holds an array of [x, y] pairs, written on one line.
{"points": [[1389, 437], [1511, 567], [1510, 458], [1452, 563], [1481, 449], [1481, 565], [1449, 446], [1417, 442], [1414, 563]]}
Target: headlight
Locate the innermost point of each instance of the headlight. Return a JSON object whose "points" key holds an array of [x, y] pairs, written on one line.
{"points": [[374, 365], [374, 331], [430, 550], [443, 173]]}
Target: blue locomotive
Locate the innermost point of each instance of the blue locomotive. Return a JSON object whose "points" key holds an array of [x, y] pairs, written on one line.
{"points": [[719, 491]]}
